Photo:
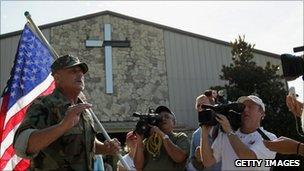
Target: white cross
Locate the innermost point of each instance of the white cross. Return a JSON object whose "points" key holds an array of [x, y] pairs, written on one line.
{"points": [[108, 44]]}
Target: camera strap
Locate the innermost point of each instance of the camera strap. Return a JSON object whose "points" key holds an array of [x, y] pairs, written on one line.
{"points": [[265, 137], [153, 144]]}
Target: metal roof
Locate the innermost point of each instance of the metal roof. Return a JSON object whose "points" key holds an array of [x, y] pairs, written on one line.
{"points": [[46, 26]]}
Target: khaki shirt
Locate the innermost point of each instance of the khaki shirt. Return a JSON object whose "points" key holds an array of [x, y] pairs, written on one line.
{"points": [[72, 151], [163, 161]]}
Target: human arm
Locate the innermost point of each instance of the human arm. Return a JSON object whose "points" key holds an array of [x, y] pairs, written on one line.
{"points": [[285, 145], [38, 139], [108, 147], [197, 155], [120, 167], [201, 100], [242, 151], [294, 105], [206, 151], [175, 152], [139, 157]]}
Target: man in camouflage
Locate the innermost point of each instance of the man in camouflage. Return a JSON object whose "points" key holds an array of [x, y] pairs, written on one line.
{"points": [[57, 133]]}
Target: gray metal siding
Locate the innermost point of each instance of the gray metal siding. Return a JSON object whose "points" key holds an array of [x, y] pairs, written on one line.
{"points": [[262, 60], [193, 65], [8, 48]]}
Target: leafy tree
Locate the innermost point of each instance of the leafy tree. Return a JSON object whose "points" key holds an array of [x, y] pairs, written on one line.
{"points": [[244, 77]]}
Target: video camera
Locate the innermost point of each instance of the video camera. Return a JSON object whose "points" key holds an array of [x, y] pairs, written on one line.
{"points": [[293, 66], [232, 111], [146, 119]]}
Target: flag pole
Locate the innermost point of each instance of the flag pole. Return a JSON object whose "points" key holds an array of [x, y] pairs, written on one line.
{"points": [[82, 96], [40, 34]]}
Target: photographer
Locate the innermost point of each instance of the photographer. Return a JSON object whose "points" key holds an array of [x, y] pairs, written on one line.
{"points": [[286, 145], [245, 143], [171, 149], [195, 159]]}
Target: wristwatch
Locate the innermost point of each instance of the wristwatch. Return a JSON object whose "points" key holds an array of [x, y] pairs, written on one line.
{"points": [[166, 137], [231, 133]]}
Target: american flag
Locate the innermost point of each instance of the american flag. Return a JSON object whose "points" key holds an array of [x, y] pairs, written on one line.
{"points": [[30, 77]]}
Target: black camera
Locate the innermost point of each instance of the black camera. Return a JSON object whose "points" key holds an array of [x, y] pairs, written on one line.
{"points": [[293, 66], [146, 119], [232, 111]]}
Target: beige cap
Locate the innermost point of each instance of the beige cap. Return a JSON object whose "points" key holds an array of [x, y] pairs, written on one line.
{"points": [[254, 98]]}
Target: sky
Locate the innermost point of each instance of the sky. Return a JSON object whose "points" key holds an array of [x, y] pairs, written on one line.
{"points": [[273, 26]]}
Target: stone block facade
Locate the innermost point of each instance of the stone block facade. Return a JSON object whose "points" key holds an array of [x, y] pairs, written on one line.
{"points": [[139, 71]]}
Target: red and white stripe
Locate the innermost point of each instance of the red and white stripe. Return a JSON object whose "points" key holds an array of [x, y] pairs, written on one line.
{"points": [[13, 117]]}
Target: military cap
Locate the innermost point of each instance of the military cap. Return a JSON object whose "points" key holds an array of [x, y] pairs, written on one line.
{"points": [[67, 61]]}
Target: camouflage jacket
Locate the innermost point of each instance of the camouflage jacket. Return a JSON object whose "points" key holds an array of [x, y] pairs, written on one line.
{"points": [[74, 150]]}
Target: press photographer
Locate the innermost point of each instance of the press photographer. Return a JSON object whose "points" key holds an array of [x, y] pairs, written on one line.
{"points": [[161, 149], [245, 143], [195, 163]]}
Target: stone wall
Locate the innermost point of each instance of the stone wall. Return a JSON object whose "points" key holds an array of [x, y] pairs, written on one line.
{"points": [[139, 72]]}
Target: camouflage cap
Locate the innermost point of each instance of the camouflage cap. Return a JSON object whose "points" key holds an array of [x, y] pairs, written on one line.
{"points": [[68, 61]]}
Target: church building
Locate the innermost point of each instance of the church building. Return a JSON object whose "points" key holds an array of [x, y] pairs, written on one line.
{"points": [[135, 65]]}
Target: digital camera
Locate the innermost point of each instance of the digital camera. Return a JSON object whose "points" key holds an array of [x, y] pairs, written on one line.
{"points": [[232, 111], [146, 119]]}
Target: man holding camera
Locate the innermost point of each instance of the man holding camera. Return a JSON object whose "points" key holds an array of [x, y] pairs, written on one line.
{"points": [[245, 143], [173, 148], [195, 163]]}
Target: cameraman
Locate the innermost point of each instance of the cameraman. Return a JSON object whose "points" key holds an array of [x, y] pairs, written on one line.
{"points": [[286, 145], [195, 163], [174, 149], [245, 143]]}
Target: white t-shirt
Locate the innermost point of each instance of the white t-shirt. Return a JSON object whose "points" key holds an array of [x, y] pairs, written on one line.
{"points": [[223, 151], [129, 161]]}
